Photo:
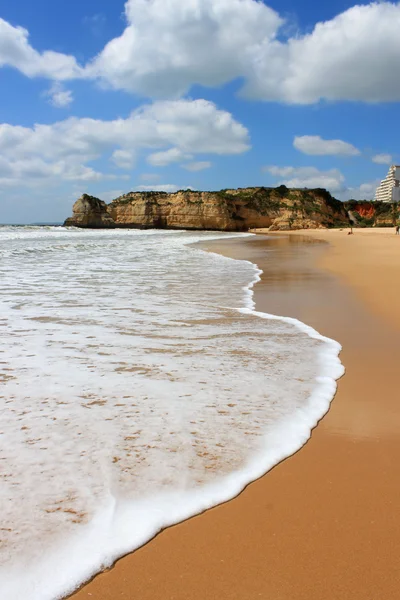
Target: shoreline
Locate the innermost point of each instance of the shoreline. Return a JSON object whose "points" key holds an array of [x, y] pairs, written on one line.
{"points": [[290, 518]]}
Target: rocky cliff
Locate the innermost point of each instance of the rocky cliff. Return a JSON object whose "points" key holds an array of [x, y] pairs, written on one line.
{"points": [[373, 214], [227, 210]]}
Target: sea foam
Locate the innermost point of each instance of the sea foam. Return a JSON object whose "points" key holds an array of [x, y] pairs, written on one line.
{"points": [[139, 387]]}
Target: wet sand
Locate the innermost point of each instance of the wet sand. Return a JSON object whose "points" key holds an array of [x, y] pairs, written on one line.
{"points": [[324, 524]]}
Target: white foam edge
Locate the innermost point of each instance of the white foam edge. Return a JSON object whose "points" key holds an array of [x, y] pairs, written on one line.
{"points": [[124, 526]]}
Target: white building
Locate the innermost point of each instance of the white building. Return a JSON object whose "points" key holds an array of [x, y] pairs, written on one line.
{"points": [[389, 190]]}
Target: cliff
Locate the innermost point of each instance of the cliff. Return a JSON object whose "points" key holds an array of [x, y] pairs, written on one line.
{"points": [[373, 214], [227, 210]]}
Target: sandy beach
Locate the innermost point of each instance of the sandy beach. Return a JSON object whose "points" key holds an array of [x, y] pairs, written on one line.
{"points": [[323, 524]]}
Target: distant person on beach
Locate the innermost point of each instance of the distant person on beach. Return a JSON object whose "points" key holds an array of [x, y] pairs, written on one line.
{"points": [[397, 229]]}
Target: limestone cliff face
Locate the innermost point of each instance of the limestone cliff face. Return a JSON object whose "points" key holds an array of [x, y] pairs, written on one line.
{"points": [[226, 210], [182, 210], [89, 211]]}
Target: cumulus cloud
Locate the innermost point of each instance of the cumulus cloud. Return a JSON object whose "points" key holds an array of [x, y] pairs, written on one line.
{"points": [[316, 146], [58, 96], [382, 159], [308, 177], [124, 159], [163, 159], [332, 180], [193, 126], [16, 51], [36, 170], [351, 57], [63, 149], [365, 191], [167, 47], [197, 166]]}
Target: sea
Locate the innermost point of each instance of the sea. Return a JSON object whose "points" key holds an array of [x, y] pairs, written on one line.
{"points": [[139, 386]]}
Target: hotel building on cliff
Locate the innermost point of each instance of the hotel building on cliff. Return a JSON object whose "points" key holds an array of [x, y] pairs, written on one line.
{"points": [[389, 189]]}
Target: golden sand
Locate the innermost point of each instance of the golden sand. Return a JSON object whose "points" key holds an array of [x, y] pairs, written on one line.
{"points": [[324, 524]]}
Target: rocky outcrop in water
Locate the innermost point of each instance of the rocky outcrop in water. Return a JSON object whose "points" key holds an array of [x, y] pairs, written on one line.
{"points": [[90, 212], [227, 210]]}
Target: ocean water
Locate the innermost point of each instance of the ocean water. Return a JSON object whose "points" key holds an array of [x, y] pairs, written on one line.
{"points": [[138, 387]]}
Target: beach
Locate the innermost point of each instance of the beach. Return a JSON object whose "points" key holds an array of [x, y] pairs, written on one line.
{"points": [[324, 523], [140, 388]]}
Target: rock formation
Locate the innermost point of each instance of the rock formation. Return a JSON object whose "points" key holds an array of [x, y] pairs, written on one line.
{"points": [[227, 210], [89, 211]]}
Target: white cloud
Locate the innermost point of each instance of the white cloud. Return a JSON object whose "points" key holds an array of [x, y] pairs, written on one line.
{"points": [[167, 47], [308, 177], [382, 159], [163, 159], [316, 146], [16, 51], [197, 166], [332, 180], [162, 187], [365, 191], [63, 149], [59, 96], [36, 171], [124, 159], [351, 57], [193, 126]]}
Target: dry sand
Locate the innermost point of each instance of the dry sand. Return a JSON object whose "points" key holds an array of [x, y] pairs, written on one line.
{"points": [[324, 524]]}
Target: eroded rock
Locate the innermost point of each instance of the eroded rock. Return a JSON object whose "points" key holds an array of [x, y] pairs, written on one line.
{"points": [[225, 210], [90, 212]]}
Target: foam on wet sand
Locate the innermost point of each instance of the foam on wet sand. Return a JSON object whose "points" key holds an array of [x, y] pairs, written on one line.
{"points": [[324, 523], [140, 387]]}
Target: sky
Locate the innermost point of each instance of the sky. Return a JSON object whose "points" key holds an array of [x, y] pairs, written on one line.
{"points": [[105, 97]]}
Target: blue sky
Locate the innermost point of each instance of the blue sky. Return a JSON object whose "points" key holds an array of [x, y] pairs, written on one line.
{"points": [[104, 98]]}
